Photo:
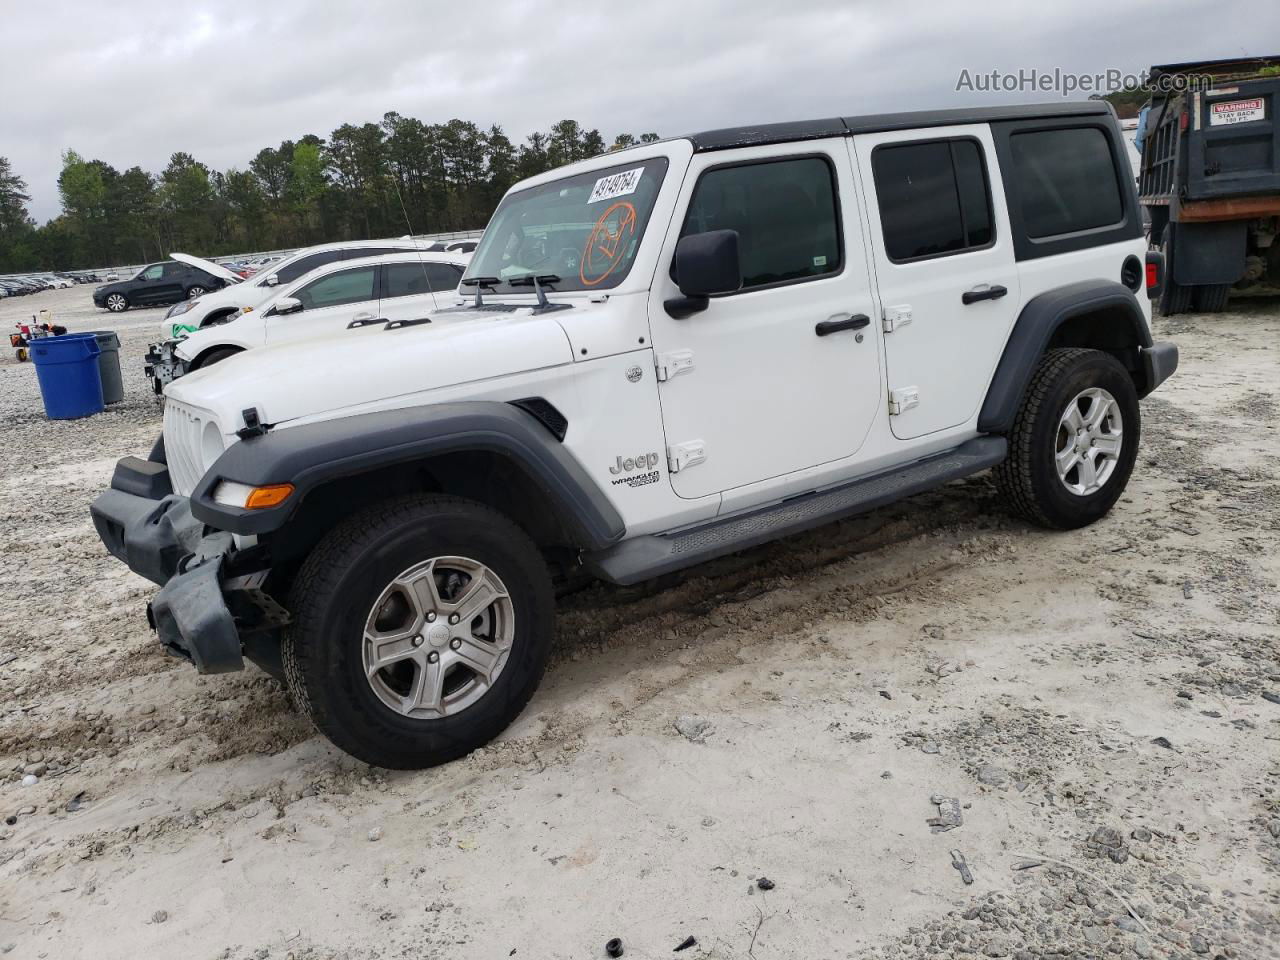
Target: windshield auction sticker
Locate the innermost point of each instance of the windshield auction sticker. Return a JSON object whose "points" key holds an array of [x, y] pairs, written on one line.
{"points": [[1230, 111], [616, 185]]}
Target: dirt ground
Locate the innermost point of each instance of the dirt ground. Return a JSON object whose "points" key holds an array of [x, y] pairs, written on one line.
{"points": [[1095, 704]]}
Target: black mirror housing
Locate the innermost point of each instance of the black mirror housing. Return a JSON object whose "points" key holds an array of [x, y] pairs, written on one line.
{"points": [[706, 264]]}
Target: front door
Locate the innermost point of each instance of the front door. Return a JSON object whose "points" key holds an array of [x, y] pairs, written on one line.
{"points": [[146, 286], [944, 267], [756, 386], [329, 304]]}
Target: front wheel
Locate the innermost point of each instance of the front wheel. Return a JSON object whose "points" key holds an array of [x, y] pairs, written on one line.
{"points": [[117, 303], [1074, 440], [421, 629]]}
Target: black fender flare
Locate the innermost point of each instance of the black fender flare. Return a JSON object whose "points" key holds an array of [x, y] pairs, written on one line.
{"points": [[1033, 332], [311, 455]]}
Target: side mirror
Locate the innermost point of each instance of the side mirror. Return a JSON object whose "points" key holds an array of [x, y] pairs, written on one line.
{"points": [[705, 264], [272, 281], [285, 306]]}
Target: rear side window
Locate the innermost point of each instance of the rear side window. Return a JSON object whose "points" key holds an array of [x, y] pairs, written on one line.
{"points": [[785, 214], [337, 289], [1066, 181], [308, 263], [415, 279], [934, 198]]}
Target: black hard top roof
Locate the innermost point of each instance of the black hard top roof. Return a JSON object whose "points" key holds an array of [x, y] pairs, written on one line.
{"points": [[794, 130]]}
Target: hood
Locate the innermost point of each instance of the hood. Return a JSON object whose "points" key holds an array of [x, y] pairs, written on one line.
{"points": [[208, 266], [370, 368]]}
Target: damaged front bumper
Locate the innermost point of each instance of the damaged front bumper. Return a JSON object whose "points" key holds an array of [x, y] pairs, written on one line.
{"points": [[211, 608], [163, 365]]}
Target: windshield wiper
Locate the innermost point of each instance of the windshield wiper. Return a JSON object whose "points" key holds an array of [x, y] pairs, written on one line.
{"points": [[481, 284], [536, 281]]}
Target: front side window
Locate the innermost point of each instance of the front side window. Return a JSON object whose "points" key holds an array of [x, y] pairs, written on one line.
{"points": [[152, 272], [1066, 181], [933, 198], [336, 289], [583, 229], [415, 279], [785, 214]]}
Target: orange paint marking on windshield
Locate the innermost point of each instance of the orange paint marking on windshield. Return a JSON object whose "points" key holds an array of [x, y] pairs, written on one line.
{"points": [[606, 244]]}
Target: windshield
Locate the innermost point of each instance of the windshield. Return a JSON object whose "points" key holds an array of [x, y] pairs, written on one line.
{"points": [[584, 230]]}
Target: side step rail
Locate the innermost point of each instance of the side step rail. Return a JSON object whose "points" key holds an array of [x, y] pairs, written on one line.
{"points": [[649, 556]]}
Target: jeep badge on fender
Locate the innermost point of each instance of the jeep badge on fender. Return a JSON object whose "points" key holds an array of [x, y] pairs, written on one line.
{"points": [[646, 461]]}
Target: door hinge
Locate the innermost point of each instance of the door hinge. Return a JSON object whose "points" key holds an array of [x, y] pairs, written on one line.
{"points": [[903, 399], [895, 317], [672, 364], [681, 455]]}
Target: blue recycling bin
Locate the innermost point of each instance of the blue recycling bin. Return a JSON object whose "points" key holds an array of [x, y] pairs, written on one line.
{"points": [[67, 368]]}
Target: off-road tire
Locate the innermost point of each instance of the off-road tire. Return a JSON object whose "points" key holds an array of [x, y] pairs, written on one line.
{"points": [[1211, 298], [337, 586], [1028, 477]]}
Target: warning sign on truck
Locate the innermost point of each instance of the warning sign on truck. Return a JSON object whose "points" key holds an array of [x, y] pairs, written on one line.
{"points": [[1236, 111]]}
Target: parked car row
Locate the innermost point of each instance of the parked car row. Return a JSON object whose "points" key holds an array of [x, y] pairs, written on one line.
{"points": [[317, 291], [181, 278], [22, 284]]}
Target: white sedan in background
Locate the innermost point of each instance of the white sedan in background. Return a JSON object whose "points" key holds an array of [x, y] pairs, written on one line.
{"points": [[406, 285]]}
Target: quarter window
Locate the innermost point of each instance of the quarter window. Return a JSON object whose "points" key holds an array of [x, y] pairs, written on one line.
{"points": [[934, 198], [1066, 181], [415, 279], [784, 212], [336, 289]]}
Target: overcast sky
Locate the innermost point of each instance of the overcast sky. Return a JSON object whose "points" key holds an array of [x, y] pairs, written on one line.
{"points": [[132, 81]]}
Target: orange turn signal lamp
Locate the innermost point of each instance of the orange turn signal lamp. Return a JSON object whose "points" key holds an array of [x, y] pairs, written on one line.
{"points": [[272, 495]]}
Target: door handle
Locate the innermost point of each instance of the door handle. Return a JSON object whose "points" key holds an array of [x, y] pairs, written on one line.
{"points": [[363, 320], [855, 322], [983, 292]]}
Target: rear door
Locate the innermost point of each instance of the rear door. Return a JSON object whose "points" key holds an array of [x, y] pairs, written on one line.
{"points": [[945, 269], [329, 304], [412, 289]]}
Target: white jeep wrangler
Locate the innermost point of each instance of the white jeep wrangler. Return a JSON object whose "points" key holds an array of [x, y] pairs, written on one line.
{"points": [[673, 353]]}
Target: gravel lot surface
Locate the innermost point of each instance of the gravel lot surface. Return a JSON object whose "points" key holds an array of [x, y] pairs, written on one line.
{"points": [[1090, 720]]}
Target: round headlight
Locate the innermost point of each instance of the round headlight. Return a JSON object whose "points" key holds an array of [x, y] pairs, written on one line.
{"points": [[211, 444]]}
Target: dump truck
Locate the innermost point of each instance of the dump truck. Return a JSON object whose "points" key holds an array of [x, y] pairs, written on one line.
{"points": [[1210, 180]]}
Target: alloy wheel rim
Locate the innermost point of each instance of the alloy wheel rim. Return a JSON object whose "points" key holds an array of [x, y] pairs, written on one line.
{"points": [[195, 292], [438, 637], [115, 302], [1089, 439]]}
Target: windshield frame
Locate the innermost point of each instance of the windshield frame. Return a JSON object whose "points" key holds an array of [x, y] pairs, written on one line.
{"points": [[498, 235]]}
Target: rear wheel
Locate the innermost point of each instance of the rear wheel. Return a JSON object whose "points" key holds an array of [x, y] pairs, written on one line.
{"points": [[1212, 298], [421, 629], [196, 291], [1074, 440]]}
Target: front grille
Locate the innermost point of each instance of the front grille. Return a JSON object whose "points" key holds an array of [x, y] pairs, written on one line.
{"points": [[182, 429]]}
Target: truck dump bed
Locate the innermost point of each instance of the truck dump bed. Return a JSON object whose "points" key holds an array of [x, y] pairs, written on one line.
{"points": [[1216, 143]]}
